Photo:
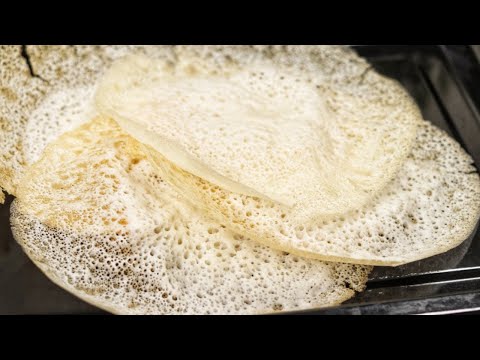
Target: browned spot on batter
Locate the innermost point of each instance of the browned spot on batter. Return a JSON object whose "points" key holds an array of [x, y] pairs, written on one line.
{"points": [[6, 180], [132, 305], [126, 251], [19, 145], [9, 94], [5, 125], [59, 73], [191, 70]]}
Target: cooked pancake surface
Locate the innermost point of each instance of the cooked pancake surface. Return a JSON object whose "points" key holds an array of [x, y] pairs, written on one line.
{"points": [[313, 129], [430, 207], [45, 91], [94, 216]]}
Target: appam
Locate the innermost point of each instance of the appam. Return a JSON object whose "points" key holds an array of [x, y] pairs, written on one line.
{"points": [[430, 207], [98, 221], [313, 129]]}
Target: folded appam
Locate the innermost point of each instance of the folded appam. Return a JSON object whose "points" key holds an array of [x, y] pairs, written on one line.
{"points": [[314, 129], [95, 217], [430, 207]]}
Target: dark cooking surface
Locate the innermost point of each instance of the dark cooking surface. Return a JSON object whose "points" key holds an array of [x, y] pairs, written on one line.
{"points": [[445, 81]]}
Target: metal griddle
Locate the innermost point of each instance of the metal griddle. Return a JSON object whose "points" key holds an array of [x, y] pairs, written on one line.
{"points": [[445, 81]]}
